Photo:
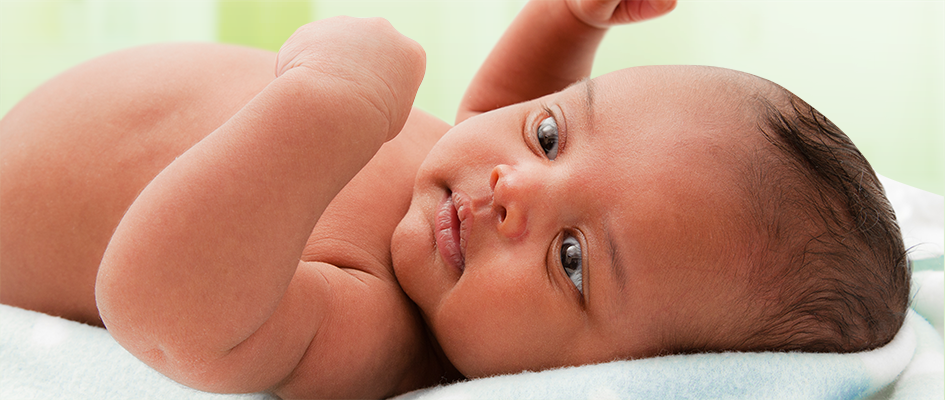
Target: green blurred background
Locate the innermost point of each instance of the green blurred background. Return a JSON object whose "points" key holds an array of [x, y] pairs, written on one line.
{"points": [[876, 68]]}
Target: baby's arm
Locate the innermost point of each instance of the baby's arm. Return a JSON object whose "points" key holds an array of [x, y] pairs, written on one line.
{"points": [[549, 45], [202, 278]]}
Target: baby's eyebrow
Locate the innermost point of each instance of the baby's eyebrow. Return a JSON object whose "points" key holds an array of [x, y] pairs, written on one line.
{"points": [[615, 264], [588, 94]]}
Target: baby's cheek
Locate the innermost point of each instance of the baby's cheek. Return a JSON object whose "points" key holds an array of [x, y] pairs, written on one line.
{"points": [[498, 322]]}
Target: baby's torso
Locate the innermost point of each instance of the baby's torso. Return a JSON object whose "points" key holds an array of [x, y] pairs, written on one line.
{"points": [[110, 126]]}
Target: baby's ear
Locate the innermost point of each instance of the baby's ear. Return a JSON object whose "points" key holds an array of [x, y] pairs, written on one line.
{"points": [[606, 13]]}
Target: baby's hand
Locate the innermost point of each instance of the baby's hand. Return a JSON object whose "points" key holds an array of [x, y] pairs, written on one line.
{"points": [[367, 57], [605, 13]]}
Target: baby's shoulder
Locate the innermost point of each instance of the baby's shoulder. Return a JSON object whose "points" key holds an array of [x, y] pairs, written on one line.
{"points": [[180, 63], [194, 80]]}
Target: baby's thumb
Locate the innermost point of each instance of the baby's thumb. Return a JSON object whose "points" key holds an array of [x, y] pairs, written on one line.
{"points": [[595, 13], [654, 8]]}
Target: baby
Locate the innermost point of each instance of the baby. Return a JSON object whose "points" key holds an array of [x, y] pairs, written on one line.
{"points": [[310, 234]]}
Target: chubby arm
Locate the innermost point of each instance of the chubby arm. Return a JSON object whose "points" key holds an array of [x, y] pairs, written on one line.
{"points": [[202, 278], [550, 45]]}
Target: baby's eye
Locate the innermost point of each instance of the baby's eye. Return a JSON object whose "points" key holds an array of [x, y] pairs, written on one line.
{"points": [[548, 137], [571, 261]]}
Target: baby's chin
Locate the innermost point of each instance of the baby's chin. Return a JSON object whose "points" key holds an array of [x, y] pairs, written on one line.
{"points": [[410, 249], [412, 240], [398, 243]]}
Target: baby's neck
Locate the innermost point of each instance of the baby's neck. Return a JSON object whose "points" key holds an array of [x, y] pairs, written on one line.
{"points": [[447, 372]]}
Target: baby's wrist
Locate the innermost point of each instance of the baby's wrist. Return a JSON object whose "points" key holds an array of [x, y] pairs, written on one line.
{"points": [[361, 61], [329, 102]]}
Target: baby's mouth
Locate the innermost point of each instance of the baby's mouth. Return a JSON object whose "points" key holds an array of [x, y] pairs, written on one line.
{"points": [[447, 231]]}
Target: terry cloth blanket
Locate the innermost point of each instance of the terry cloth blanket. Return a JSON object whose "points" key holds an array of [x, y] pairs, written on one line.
{"points": [[45, 357]]}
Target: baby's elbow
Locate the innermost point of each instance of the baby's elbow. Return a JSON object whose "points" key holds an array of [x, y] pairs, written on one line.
{"points": [[215, 376], [118, 306], [207, 371], [194, 371], [114, 308], [171, 352]]}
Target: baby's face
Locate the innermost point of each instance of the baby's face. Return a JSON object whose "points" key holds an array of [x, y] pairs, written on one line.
{"points": [[591, 224]]}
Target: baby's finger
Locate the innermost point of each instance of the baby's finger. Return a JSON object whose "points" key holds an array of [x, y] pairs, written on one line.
{"points": [[640, 10], [606, 13], [654, 8], [596, 13]]}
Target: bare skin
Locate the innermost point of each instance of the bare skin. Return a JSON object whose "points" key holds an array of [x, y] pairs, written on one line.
{"points": [[97, 159], [232, 227], [93, 170], [96, 164]]}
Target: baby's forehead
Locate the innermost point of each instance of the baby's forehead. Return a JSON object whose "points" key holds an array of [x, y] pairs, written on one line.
{"points": [[716, 88], [701, 105]]}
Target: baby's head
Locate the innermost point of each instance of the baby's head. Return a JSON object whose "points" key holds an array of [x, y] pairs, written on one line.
{"points": [[830, 270], [650, 211]]}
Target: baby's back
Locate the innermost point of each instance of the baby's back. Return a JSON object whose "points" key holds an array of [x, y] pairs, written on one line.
{"points": [[76, 152]]}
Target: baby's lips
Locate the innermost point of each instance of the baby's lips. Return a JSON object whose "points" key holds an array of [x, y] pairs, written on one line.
{"points": [[447, 228]]}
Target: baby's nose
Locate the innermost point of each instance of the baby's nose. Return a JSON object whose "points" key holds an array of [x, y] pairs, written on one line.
{"points": [[508, 201]]}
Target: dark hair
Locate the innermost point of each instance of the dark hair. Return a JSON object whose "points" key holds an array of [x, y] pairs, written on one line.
{"points": [[829, 267]]}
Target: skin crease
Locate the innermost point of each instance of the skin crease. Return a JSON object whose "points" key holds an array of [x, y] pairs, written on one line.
{"points": [[640, 170]]}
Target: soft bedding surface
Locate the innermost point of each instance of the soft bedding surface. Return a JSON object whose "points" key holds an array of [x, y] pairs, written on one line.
{"points": [[45, 357]]}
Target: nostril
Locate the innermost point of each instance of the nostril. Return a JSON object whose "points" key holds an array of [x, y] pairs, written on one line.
{"points": [[494, 178], [501, 211]]}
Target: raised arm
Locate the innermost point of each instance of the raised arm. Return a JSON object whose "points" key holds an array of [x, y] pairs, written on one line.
{"points": [[550, 45], [202, 278]]}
